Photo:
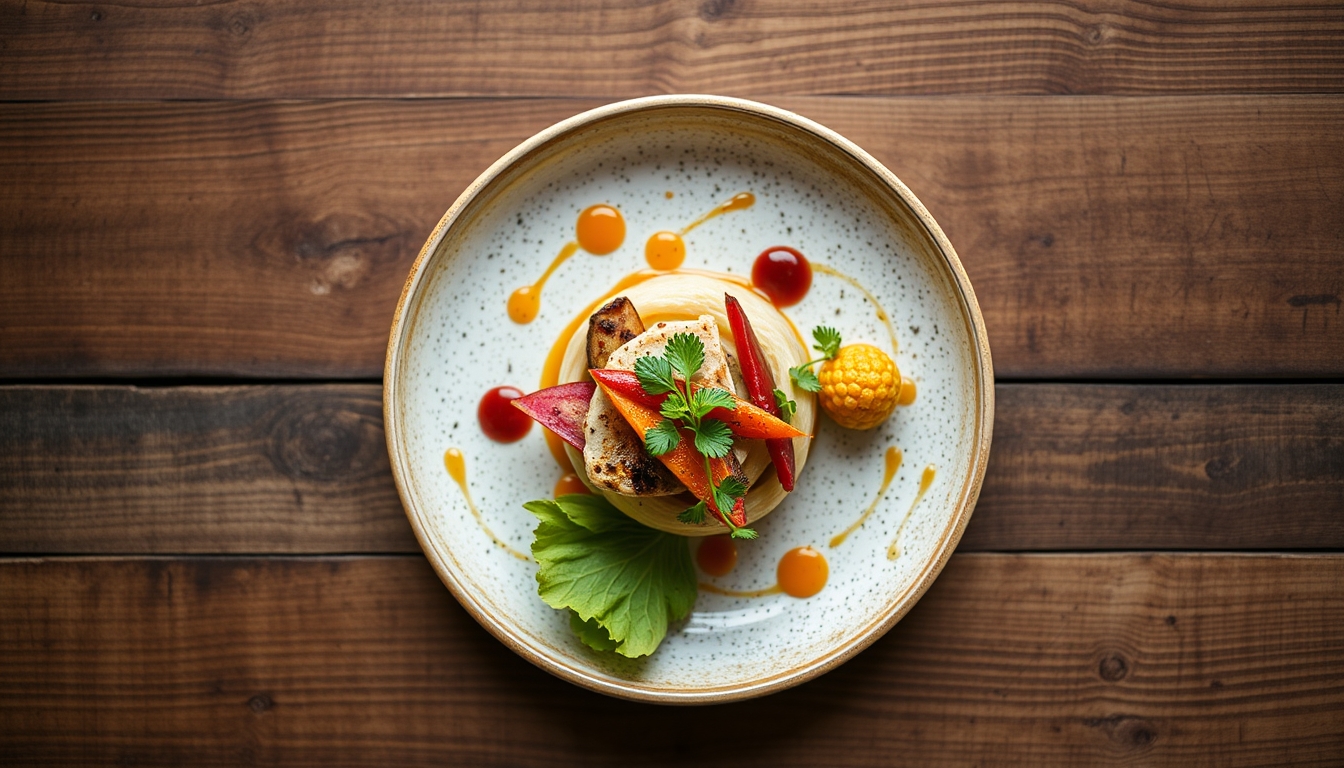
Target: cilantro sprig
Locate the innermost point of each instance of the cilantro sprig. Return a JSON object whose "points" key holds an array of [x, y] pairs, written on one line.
{"points": [[828, 344], [686, 415]]}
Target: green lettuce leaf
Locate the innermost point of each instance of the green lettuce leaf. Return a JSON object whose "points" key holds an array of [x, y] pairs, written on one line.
{"points": [[623, 581]]}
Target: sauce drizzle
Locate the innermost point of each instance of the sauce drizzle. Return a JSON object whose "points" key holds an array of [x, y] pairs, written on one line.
{"points": [[600, 230], [667, 250], [894, 458], [925, 481], [877, 306], [456, 465]]}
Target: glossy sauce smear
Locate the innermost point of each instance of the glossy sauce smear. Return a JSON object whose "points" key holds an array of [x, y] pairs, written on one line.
{"points": [[599, 231]]}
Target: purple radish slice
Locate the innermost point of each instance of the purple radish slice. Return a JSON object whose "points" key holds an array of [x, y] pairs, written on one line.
{"points": [[561, 409]]}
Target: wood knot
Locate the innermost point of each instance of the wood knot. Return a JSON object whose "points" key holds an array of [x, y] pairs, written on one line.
{"points": [[1095, 34], [260, 703], [1126, 731], [713, 10], [324, 443], [1220, 467], [335, 252], [1113, 668]]}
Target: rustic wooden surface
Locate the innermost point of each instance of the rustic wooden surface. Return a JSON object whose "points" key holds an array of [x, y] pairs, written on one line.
{"points": [[209, 210], [272, 239], [305, 49], [290, 469], [1077, 659]]}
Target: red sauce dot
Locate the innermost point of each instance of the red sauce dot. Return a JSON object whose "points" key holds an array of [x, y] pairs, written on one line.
{"points": [[500, 421], [717, 555], [783, 274]]}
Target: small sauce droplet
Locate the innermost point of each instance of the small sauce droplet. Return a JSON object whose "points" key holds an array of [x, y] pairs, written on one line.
{"points": [[893, 460], [500, 421], [456, 464], [665, 250], [569, 483], [601, 229], [783, 274], [925, 480], [802, 572], [907, 395], [717, 555], [668, 194]]}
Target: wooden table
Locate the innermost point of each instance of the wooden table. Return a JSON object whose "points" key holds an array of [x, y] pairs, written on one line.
{"points": [[209, 211]]}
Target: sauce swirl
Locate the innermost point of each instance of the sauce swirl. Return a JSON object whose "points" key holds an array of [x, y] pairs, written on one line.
{"points": [[600, 230], [456, 464], [894, 457], [925, 480]]}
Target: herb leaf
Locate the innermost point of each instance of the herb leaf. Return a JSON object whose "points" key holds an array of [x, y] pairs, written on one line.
{"points": [[662, 437], [787, 407], [705, 400], [804, 378], [591, 633], [615, 574], [828, 340], [713, 439], [655, 375], [694, 515], [686, 353]]}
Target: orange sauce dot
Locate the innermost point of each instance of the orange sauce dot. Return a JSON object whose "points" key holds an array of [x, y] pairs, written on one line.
{"points": [[601, 229], [802, 572], [668, 194], [907, 395], [570, 483], [524, 304], [665, 250], [717, 555]]}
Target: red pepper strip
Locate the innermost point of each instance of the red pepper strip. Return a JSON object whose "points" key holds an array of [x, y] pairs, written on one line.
{"points": [[760, 387], [746, 420], [684, 461]]}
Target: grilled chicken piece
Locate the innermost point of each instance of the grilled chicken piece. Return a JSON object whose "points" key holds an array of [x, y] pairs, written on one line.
{"points": [[609, 328], [614, 455]]}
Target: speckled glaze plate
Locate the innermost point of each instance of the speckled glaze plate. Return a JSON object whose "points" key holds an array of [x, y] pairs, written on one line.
{"points": [[664, 162]]}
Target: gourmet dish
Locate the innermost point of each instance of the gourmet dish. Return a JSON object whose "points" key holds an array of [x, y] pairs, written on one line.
{"points": [[682, 405]]}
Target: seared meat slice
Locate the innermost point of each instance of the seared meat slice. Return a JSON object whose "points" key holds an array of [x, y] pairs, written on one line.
{"points": [[609, 328]]}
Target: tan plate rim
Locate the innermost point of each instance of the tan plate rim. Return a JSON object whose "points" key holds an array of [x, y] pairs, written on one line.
{"points": [[901, 603]]}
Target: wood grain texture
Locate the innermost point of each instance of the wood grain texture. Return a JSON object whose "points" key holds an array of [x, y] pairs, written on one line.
{"points": [[1063, 659], [1105, 237], [187, 469], [303, 469], [271, 49]]}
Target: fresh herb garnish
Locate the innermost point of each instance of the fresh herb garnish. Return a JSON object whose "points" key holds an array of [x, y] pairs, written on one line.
{"points": [[622, 581], [688, 411], [828, 344], [787, 407]]}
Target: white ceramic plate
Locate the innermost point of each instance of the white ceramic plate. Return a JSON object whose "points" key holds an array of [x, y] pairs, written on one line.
{"points": [[815, 191]]}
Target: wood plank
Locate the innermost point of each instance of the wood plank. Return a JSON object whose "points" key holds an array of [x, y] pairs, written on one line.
{"points": [[197, 469], [1061, 659], [1105, 237], [303, 469], [1163, 467], [270, 49]]}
